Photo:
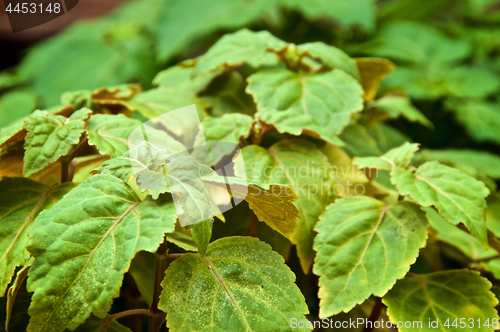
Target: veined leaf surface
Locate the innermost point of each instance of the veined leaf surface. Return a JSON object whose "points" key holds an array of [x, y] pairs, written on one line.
{"points": [[446, 296], [83, 247], [320, 104], [298, 164], [457, 196], [50, 137], [240, 285], [363, 247]]}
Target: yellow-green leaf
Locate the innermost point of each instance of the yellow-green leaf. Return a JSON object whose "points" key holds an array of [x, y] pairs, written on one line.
{"points": [[84, 245], [21, 200], [240, 285], [364, 246], [442, 298], [319, 104], [457, 196], [50, 137]]}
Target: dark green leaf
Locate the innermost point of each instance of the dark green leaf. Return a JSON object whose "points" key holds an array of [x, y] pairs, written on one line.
{"points": [[84, 245]]}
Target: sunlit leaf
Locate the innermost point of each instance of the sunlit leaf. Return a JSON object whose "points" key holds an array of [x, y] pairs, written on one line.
{"points": [[457, 196], [21, 200], [363, 247], [320, 105], [397, 157], [50, 137], [443, 296], [373, 72], [83, 247], [239, 285]]}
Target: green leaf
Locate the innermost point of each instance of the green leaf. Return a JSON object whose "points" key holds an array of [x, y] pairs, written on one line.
{"points": [[353, 13], [227, 94], [386, 136], [421, 44], [202, 233], [471, 82], [145, 157], [482, 161], [94, 54], [320, 104], [300, 165], [430, 63], [397, 157], [198, 19], [480, 118], [21, 200], [228, 128], [111, 134], [240, 285], [330, 56], [493, 214], [457, 196], [240, 48], [396, 106], [359, 142], [493, 266], [181, 76], [93, 324], [183, 176], [446, 295], [84, 245], [363, 247], [12, 293], [103, 100], [16, 104], [156, 102], [454, 236], [50, 137], [142, 269], [182, 240]]}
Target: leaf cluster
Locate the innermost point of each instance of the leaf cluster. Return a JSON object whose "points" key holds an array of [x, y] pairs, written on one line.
{"points": [[356, 200]]}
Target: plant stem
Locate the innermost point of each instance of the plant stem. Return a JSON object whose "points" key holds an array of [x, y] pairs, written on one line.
{"points": [[377, 310], [157, 317], [253, 224], [66, 175], [64, 169], [125, 314], [172, 257]]}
